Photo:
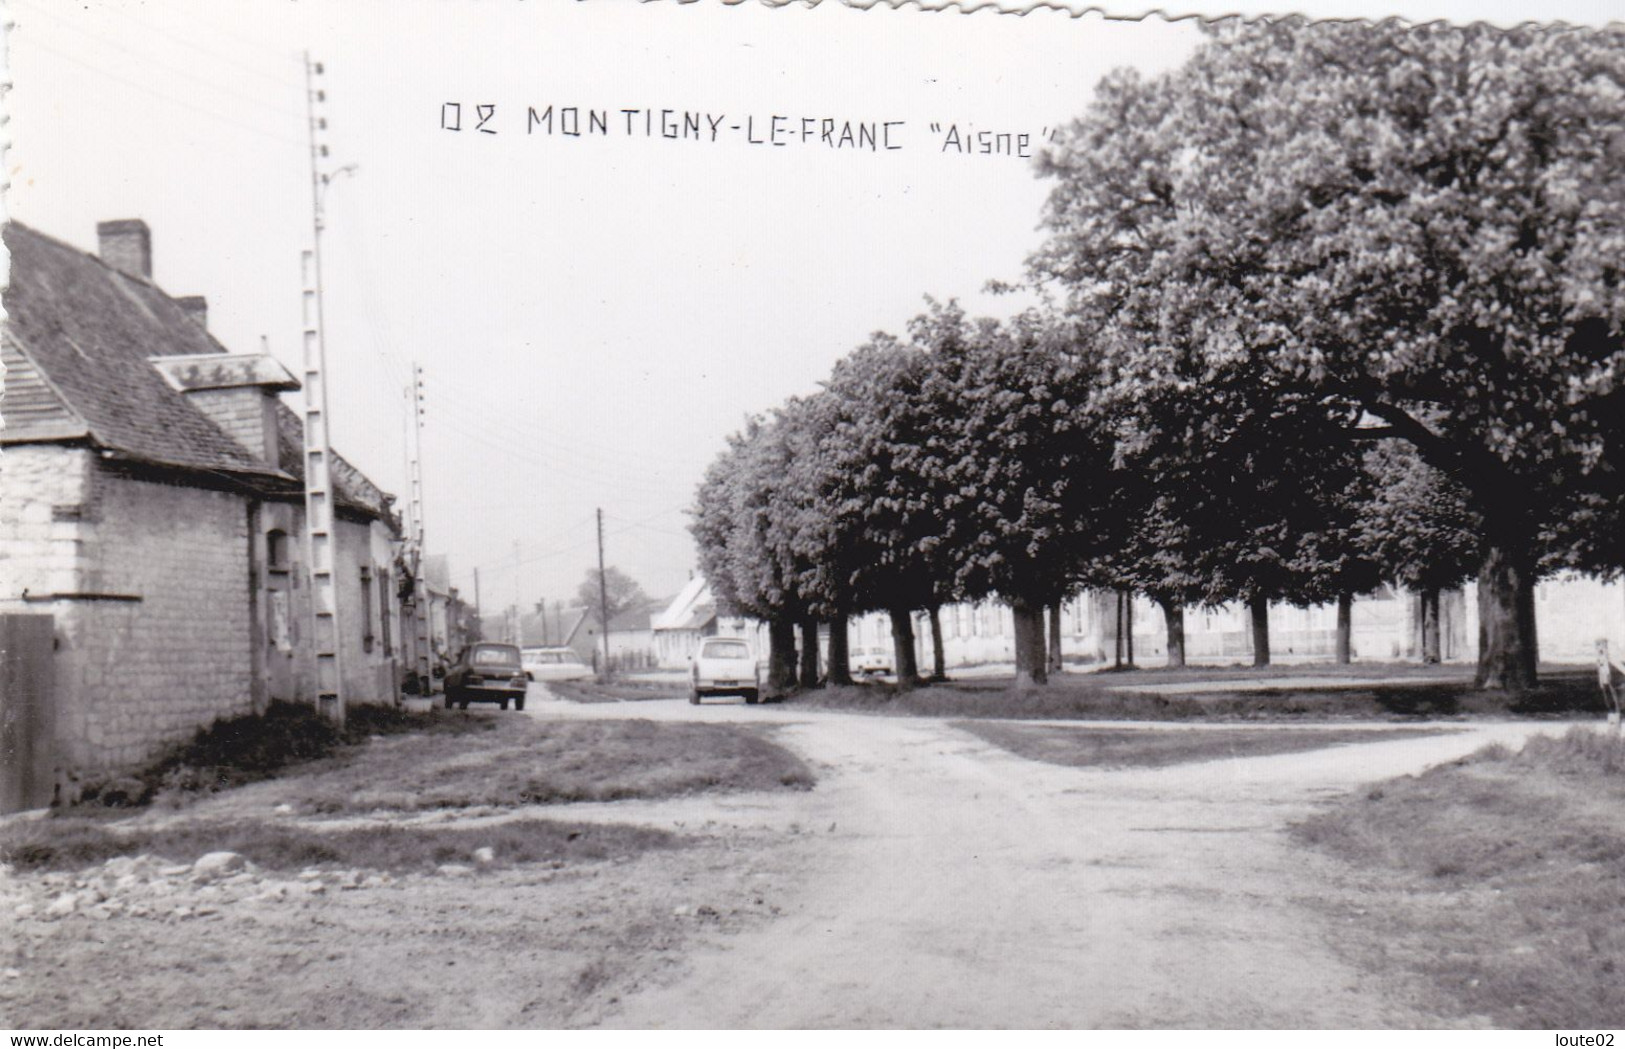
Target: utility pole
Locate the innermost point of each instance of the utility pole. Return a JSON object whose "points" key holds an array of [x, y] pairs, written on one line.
{"points": [[420, 586], [479, 616], [603, 593], [318, 452], [518, 632]]}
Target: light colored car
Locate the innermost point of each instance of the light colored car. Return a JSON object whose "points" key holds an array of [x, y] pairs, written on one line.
{"points": [[555, 664], [724, 666], [870, 661]]}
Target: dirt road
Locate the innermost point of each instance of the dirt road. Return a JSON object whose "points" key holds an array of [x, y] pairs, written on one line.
{"points": [[941, 881]]}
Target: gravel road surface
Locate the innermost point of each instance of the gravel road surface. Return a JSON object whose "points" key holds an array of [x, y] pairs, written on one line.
{"points": [[946, 882]]}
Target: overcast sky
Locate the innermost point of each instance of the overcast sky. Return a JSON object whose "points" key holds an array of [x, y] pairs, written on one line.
{"points": [[594, 314]]}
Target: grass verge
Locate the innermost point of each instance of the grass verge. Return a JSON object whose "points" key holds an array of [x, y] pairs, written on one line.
{"points": [[74, 844], [527, 762], [240, 750], [614, 691], [1154, 748], [1499, 881], [1110, 697]]}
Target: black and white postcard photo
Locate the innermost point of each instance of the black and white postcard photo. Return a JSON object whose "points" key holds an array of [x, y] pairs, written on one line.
{"points": [[566, 515]]}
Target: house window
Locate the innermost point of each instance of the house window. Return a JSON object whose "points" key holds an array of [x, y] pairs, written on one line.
{"points": [[366, 608], [276, 550], [384, 610]]}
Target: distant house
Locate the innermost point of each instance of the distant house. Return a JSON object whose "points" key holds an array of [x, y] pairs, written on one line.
{"points": [[694, 614], [151, 505], [631, 636], [452, 623], [678, 628]]}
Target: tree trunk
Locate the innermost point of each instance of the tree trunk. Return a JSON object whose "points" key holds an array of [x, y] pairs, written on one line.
{"points": [[1117, 634], [1028, 620], [902, 637], [840, 652], [781, 660], [1128, 625], [1260, 608], [1055, 656], [809, 653], [939, 659], [1507, 649], [1430, 625], [1173, 614], [1345, 628]]}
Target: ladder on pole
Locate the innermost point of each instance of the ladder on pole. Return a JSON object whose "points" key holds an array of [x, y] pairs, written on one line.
{"points": [[319, 506], [421, 598]]}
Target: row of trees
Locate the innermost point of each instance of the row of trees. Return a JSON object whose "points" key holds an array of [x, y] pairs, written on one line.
{"points": [[1330, 305]]}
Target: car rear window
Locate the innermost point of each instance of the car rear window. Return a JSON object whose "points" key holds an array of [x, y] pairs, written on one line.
{"points": [[486, 655], [726, 650]]}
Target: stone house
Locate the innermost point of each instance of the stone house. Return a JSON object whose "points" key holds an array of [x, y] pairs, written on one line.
{"points": [[151, 505]]}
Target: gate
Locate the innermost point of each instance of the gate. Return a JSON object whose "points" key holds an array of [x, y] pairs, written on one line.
{"points": [[27, 717]]}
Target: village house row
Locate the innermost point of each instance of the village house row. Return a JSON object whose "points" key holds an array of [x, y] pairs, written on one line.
{"points": [[152, 524]]}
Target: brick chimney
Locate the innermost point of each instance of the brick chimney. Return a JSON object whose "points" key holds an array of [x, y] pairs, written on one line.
{"points": [[237, 390], [126, 245], [196, 307]]}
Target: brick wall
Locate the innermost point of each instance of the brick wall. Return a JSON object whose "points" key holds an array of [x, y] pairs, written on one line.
{"points": [[245, 412], [369, 670], [371, 673], [134, 676], [43, 490]]}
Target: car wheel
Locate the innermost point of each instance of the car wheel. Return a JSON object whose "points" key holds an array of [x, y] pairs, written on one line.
{"points": [[462, 704], [752, 697], [519, 704], [451, 701], [503, 704]]}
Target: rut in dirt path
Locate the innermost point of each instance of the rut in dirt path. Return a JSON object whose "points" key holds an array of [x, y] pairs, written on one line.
{"points": [[965, 887]]}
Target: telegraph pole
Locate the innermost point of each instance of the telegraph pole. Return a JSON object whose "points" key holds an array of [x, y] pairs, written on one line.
{"points": [[518, 633], [479, 616], [603, 593], [318, 453], [420, 587]]}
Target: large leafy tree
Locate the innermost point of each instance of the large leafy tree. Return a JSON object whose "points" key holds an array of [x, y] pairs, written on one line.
{"points": [[1419, 229], [1026, 466], [737, 531], [881, 477]]}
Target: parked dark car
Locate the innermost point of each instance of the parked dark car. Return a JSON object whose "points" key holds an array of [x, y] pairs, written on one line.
{"points": [[487, 672]]}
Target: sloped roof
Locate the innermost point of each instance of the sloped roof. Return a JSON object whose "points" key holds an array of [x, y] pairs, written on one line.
{"points": [[640, 617], [691, 609], [351, 488], [82, 332]]}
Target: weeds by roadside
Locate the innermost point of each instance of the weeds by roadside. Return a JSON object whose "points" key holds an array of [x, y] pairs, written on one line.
{"points": [[251, 747], [1500, 878], [614, 691], [530, 762]]}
